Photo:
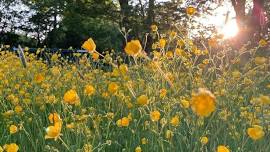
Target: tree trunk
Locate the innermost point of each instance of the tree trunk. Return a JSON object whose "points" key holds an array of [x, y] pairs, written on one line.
{"points": [[149, 21], [239, 8], [151, 14], [249, 26], [258, 18], [125, 11]]}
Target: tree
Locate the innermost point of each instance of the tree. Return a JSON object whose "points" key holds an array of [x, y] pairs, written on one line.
{"points": [[151, 13], [251, 22]]}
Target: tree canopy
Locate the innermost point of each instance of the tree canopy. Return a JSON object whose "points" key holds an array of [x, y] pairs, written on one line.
{"points": [[65, 23]]}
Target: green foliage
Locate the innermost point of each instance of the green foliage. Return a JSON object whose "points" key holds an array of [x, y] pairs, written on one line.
{"points": [[15, 39]]}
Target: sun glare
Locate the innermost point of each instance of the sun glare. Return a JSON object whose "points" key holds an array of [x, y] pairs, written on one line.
{"points": [[230, 29]]}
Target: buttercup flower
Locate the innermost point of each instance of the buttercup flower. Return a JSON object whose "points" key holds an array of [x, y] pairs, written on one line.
{"points": [[13, 129], [162, 93], [256, 132], [262, 43], [154, 28], [71, 97], [203, 103], [124, 122], [95, 56], [113, 87], [190, 10], [184, 103], [39, 78], [123, 69], [169, 54], [138, 149], [11, 147], [155, 115], [89, 45], [162, 43], [175, 121], [54, 131], [222, 149], [204, 140], [260, 60], [54, 117], [89, 90], [142, 100], [133, 48]]}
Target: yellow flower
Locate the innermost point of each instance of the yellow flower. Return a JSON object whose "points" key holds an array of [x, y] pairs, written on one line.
{"points": [[54, 117], [142, 100], [110, 115], [119, 123], [105, 95], [39, 78], [213, 42], [70, 126], [89, 90], [115, 72], [8, 113], [55, 71], [162, 43], [138, 149], [204, 140], [173, 34], [54, 57], [51, 99], [180, 52], [222, 149], [180, 43], [154, 28], [190, 10], [206, 61], [169, 134], [236, 74], [123, 69], [156, 54], [162, 93], [184, 103], [203, 103], [133, 48], [113, 87], [155, 115], [54, 132], [95, 56], [264, 99], [169, 54], [256, 132], [89, 45], [71, 97], [124, 122], [18, 109], [260, 60], [11, 147], [262, 43], [13, 129], [144, 141], [175, 121]]}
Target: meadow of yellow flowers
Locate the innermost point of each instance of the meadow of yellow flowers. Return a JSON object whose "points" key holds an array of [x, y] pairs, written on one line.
{"points": [[182, 99]]}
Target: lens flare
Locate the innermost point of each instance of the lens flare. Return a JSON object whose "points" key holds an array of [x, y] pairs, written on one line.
{"points": [[230, 29]]}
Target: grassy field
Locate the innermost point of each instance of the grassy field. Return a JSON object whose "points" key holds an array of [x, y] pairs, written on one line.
{"points": [[182, 99]]}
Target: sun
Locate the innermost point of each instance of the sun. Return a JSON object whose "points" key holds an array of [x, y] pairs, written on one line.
{"points": [[230, 29]]}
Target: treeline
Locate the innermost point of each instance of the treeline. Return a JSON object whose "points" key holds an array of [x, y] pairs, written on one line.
{"points": [[65, 23]]}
